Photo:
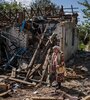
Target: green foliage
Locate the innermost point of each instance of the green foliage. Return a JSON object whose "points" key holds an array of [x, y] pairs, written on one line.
{"points": [[84, 31], [13, 6], [86, 11], [81, 46], [84, 28]]}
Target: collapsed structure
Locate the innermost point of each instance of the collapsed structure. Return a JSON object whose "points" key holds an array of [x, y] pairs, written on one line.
{"points": [[27, 44]]}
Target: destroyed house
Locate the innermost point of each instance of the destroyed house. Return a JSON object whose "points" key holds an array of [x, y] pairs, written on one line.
{"points": [[27, 39], [25, 34]]}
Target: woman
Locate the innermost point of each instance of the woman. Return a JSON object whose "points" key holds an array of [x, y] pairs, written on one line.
{"points": [[57, 68]]}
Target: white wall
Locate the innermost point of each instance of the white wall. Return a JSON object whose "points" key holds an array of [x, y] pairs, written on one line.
{"points": [[66, 28], [68, 48]]}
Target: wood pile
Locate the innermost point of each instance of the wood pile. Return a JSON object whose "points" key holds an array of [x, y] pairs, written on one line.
{"points": [[26, 76]]}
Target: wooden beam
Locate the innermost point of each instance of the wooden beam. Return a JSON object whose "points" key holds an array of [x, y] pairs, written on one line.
{"points": [[46, 98], [4, 93], [43, 55], [35, 53], [17, 80], [34, 69], [47, 45], [45, 65]]}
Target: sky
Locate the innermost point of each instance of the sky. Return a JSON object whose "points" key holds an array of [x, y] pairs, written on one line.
{"points": [[68, 3], [65, 3]]}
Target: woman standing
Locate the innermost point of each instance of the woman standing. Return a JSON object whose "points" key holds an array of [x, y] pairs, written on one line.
{"points": [[57, 68]]}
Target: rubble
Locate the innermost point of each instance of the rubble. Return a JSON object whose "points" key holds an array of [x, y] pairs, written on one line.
{"points": [[24, 66]]}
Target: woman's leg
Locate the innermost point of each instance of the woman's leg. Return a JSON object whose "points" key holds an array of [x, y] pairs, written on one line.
{"points": [[59, 81]]}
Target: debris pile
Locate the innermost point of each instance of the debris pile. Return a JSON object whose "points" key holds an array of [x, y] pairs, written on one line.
{"points": [[26, 47]]}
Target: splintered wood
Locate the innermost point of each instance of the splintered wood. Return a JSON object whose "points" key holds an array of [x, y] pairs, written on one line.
{"points": [[35, 53], [45, 65]]}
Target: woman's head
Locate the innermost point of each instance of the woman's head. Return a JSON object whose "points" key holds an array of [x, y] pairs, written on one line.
{"points": [[56, 49]]}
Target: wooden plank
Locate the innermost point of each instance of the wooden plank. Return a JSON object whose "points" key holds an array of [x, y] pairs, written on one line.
{"points": [[43, 55], [46, 98], [21, 81], [17, 80], [35, 53], [4, 93], [47, 45], [45, 65], [34, 69]]}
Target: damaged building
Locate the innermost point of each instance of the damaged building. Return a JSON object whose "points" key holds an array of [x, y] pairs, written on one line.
{"points": [[64, 27], [39, 45], [27, 40], [25, 43]]}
